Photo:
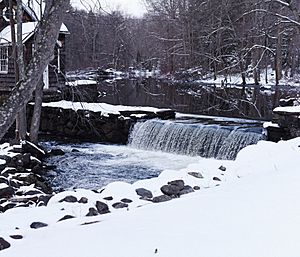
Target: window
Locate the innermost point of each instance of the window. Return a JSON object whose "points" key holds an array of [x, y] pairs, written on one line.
{"points": [[3, 59]]}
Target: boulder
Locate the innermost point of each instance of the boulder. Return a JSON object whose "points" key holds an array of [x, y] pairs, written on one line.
{"points": [[56, 152], [6, 191], [120, 205], [196, 174], [44, 198], [69, 199], [186, 190], [161, 198], [196, 188], [177, 183], [4, 244], [109, 198], [125, 200], [36, 225], [92, 212], [144, 193], [17, 237], [173, 188], [102, 207], [216, 179], [222, 168], [83, 200], [28, 147], [66, 217]]}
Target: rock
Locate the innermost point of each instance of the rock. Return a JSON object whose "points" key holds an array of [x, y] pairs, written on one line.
{"points": [[144, 193], [109, 198], [66, 217], [33, 192], [69, 199], [161, 198], [196, 188], [75, 151], [102, 207], [6, 192], [3, 244], [120, 205], [222, 168], [216, 179], [9, 206], [179, 183], [196, 174], [56, 152], [26, 160], [186, 190], [92, 212], [3, 180], [44, 198], [34, 150], [83, 200], [36, 225], [173, 188], [17, 237], [125, 200]]}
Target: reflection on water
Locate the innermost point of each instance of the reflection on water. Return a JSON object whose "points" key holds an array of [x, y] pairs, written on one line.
{"points": [[187, 97]]}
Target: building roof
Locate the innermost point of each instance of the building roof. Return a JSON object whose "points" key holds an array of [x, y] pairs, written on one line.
{"points": [[28, 30]]}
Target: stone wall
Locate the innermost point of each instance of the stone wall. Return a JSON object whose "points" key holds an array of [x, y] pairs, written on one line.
{"points": [[92, 126]]}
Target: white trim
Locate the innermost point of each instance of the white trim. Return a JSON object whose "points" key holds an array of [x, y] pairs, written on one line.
{"points": [[4, 59], [46, 77]]}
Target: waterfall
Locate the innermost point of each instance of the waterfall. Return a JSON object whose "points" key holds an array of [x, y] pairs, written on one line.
{"points": [[209, 141]]}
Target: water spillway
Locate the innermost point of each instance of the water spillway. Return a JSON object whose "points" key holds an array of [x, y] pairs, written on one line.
{"points": [[209, 141]]}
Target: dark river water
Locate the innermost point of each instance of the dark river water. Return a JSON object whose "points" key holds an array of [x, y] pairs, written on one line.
{"points": [[187, 97]]}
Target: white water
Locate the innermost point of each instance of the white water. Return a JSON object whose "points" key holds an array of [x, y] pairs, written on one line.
{"points": [[209, 141], [96, 165]]}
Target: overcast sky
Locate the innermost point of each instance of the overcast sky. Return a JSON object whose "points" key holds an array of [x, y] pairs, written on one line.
{"points": [[132, 7]]}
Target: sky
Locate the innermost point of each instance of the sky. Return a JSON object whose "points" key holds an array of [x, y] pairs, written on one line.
{"points": [[131, 7]]}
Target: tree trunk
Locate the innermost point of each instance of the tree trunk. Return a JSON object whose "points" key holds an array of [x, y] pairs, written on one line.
{"points": [[36, 116], [278, 57], [46, 37], [21, 117]]}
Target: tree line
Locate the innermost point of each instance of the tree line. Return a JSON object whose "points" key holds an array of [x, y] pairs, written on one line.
{"points": [[210, 36]]}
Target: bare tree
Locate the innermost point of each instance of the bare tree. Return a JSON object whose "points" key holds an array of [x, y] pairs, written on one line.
{"points": [[47, 34]]}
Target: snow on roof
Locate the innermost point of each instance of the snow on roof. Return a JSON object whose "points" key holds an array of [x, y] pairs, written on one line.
{"points": [[28, 31], [34, 8]]}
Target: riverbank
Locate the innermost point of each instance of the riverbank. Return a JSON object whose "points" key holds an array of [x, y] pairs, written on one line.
{"points": [[243, 208]]}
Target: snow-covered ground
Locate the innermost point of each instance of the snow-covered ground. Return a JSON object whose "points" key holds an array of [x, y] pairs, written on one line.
{"points": [[253, 211]]}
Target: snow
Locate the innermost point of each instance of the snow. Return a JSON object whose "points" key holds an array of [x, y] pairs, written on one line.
{"points": [[98, 107], [270, 124], [81, 82], [288, 109], [253, 212], [28, 29]]}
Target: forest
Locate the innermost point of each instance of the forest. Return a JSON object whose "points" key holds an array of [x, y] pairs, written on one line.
{"points": [[205, 38]]}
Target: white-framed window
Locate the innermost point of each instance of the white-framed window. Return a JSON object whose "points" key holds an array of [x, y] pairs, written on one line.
{"points": [[3, 59]]}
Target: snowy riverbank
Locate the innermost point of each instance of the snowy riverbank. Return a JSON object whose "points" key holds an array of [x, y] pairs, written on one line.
{"points": [[253, 212]]}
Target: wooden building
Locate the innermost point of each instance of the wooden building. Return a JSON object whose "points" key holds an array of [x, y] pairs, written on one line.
{"points": [[54, 75]]}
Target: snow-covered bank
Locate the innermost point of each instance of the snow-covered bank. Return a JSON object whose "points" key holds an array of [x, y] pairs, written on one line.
{"points": [[100, 107], [254, 212]]}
